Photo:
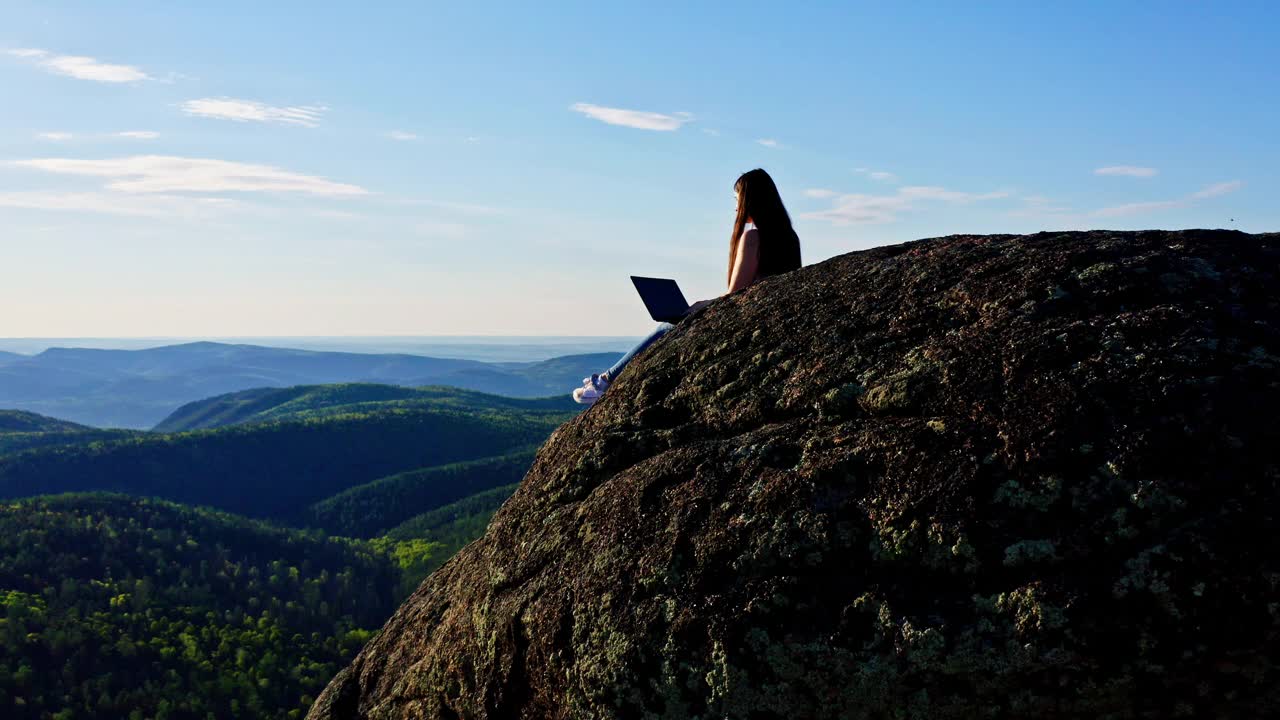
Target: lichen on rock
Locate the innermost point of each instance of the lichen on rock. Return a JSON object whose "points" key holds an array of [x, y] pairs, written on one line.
{"points": [[971, 476]]}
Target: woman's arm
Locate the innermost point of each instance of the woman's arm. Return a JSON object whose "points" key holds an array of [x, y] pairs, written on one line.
{"points": [[747, 260], [745, 264]]}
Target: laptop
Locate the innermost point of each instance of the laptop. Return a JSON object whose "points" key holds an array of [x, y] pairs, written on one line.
{"points": [[662, 297]]}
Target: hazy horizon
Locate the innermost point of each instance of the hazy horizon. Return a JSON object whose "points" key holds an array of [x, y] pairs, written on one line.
{"points": [[489, 348]]}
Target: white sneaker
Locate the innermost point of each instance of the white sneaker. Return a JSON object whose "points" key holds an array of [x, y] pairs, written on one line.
{"points": [[592, 388]]}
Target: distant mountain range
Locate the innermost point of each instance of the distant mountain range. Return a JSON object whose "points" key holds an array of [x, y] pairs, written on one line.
{"points": [[139, 388]]}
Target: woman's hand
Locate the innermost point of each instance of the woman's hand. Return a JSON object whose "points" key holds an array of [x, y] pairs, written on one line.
{"points": [[697, 306]]}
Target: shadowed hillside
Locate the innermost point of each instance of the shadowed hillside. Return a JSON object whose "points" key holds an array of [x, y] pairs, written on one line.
{"points": [[274, 470], [374, 508], [265, 404]]}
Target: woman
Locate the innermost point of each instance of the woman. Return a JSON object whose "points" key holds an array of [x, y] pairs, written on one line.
{"points": [[770, 247]]}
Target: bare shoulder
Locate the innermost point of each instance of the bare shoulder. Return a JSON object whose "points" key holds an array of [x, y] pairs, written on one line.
{"points": [[750, 237]]}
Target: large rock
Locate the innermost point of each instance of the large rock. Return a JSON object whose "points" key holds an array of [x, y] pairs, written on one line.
{"points": [[964, 477]]}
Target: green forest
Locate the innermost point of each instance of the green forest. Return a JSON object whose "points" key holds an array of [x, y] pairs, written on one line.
{"points": [[227, 568], [121, 607]]}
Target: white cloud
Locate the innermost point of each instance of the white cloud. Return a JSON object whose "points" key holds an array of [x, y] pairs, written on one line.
{"points": [[1217, 189], [328, 214], [1136, 208], [820, 193], [112, 203], [402, 135], [1039, 206], [767, 142], [1127, 171], [437, 229], [128, 134], [448, 206], [879, 175], [936, 193], [252, 111], [167, 174], [81, 67], [1209, 191], [858, 208], [463, 208], [638, 119]]}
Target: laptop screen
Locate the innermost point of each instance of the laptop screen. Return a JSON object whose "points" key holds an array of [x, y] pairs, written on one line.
{"points": [[662, 297]]}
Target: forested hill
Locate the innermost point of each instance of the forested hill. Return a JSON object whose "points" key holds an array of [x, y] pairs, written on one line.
{"points": [[275, 469], [262, 404], [115, 607], [15, 421], [21, 430], [376, 507]]}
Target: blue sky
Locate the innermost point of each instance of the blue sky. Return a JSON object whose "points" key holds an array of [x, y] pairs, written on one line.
{"points": [[501, 168]]}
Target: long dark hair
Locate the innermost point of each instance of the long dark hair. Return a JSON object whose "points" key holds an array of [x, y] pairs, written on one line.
{"points": [[759, 200]]}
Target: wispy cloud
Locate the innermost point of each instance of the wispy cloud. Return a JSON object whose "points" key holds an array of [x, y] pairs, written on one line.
{"points": [[711, 131], [252, 111], [1040, 206], [1209, 191], [128, 134], [767, 142], [463, 208], [879, 175], [858, 208], [116, 203], [820, 193], [1137, 208], [639, 119], [401, 135], [925, 192], [438, 229], [1217, 189], [167, 174], [1127, 171], [79, 66]]}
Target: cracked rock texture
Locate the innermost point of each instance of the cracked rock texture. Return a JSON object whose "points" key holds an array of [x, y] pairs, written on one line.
{"points": [[965, 477]]}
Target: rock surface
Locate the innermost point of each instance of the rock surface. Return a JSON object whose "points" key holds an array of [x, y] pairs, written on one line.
{"points": [[972, 476]]}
